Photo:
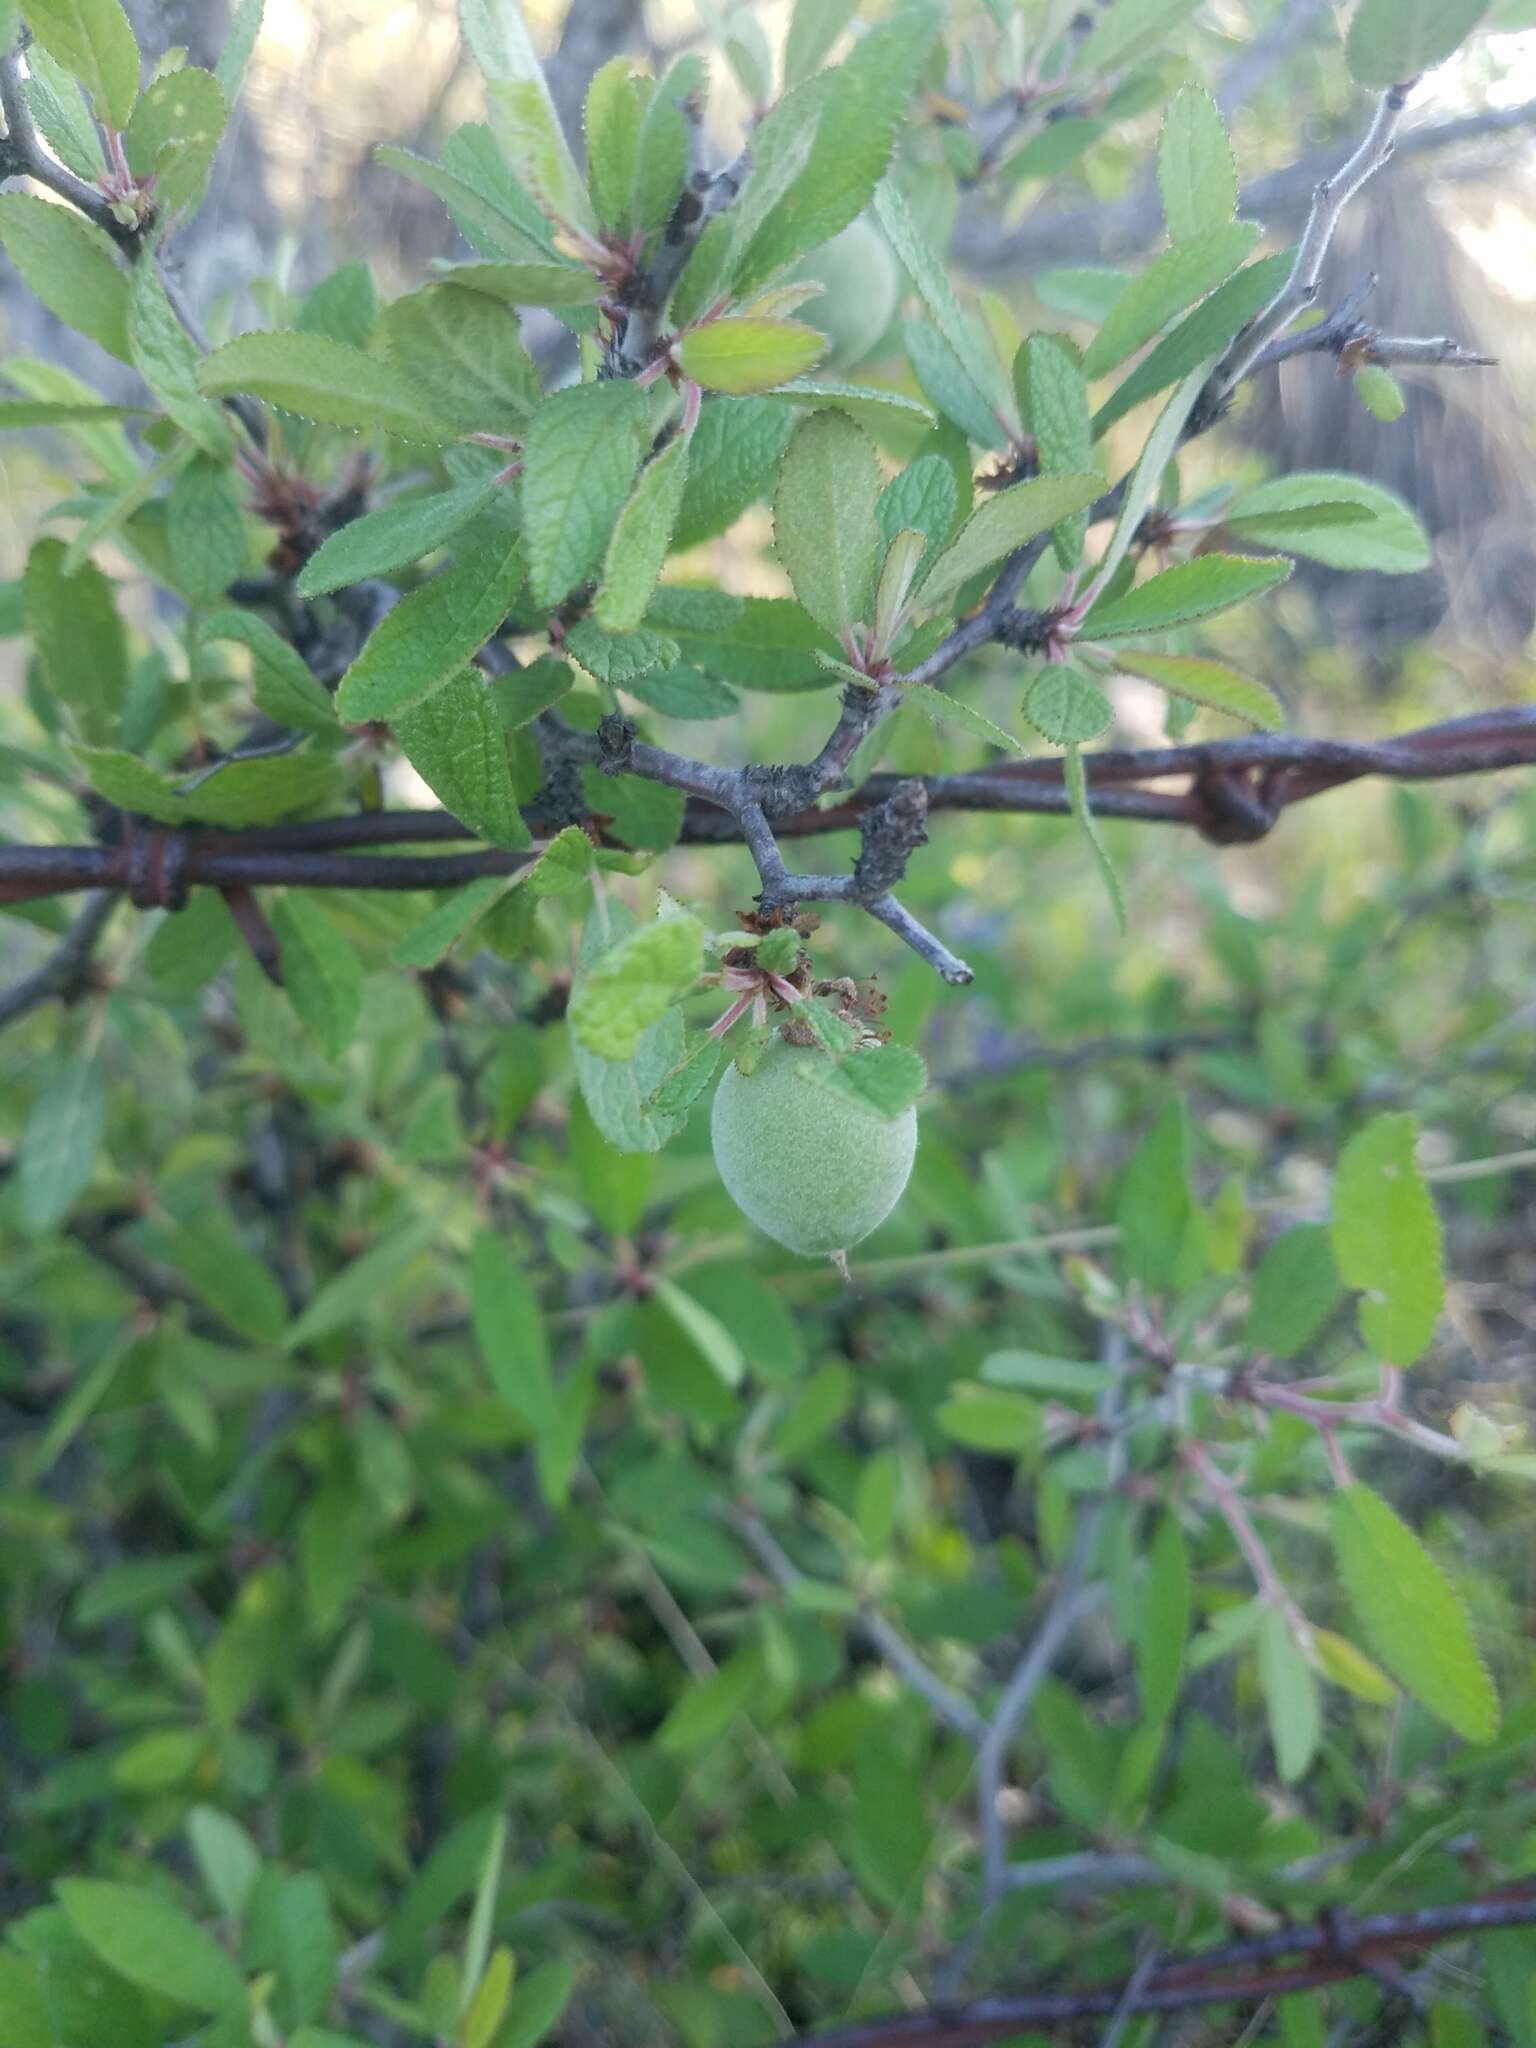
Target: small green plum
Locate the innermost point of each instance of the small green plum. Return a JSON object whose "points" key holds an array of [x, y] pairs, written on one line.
{"points": [[809, 1165]]}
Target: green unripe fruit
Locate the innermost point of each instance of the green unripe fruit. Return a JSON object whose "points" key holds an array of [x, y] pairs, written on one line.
{"points": [[809, 1165], [861, 292]]}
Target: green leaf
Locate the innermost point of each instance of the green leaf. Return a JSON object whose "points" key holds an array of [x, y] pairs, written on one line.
{"points": [[824, 526], [633, 986], [857, 110], [1289, 1685], [509, 1329], [1210, 683], [481, 213], [59, 1144], [885, 1078], [745, 353], [325, 380], [540, 1999], [1064, 705], [1155, 1209], [814, 26], [1054, 398], [707, 1709], [58, 107], [78, 636], [1293, 512], [380, 542], [1169, 283], [174, 136], [924, 499], [1380, 393], [152, 1943], [456, 743], [758, 643], [889, 1838], [579, 462], [227, 1859], [1412, 1615], [1392, 41], [1157, 452], [44, 412], [1002, 522], [71, 265], [704, 1330], [1162, 1621], [1295, 1290], [612, 126], [618, 658], [1345, 1666], [523, 115], [682, 692], [561, 286], [94, 42], [244, 27], [425, 944], [281, 681], [204, 530], [1196, 173], [432, 635], [965, 335], [1200, 336], [362, 1289], [986, 1419], [1189, 590], [939, 707], [947, 385], [1386, 1238], [722, 248], [662, 148], [467, 351], [733, 460], [642, 537], [231, 1280], [1127, 31], [321, 972]]}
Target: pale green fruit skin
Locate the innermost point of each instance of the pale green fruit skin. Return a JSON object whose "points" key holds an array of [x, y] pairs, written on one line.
{"points": [[803, 1162], [861, 296]]}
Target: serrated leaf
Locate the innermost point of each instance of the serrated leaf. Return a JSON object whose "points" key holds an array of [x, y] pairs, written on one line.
{"points": [[1203, 333], [152, 1943], [885, 1078], [244, 27], [466, 349], [642, 538], [425, 944], [174, 136], [94, 42], [1411, 1613], [479, 212], [662, 150], [814, 26], [1054, 399], [71, 265], [579, 461], [58, 107], [1386, 1238], [758, 643], [618, 658], [1295, 1290], [1286, 513], [457, 744], [1155, 1208], [741, 353], [561, 286], [1064, 705], [44, 412], [963, 333], [523, 115], [1001, 523], [619, 1093], [1195, 589], [78, 637], [1392, 41], [683, 692], [1290, 1697], [1195, 170], [947, 386], [733, 459], [321, 972], [1210, 683], [1128, 29], [1169, 283], [857, 109], [164, 355], [204, 530], [380, 542], [432, 634], [632, 987], [1162, 1621], [940, 708], [923, 498], [1157, 452], [1345, 1666], [824, 526], [59, 1143], [612, 126], [281, 681], [327, 381], [779, 154]]}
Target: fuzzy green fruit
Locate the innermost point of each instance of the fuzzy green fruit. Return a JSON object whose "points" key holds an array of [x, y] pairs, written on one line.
{"points": [[861, 292], [806, 1163]]}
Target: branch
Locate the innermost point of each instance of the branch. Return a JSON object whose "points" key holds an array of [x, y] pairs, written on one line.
{"points": [[67, 969], [28, 158], [1328, 1952]]}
